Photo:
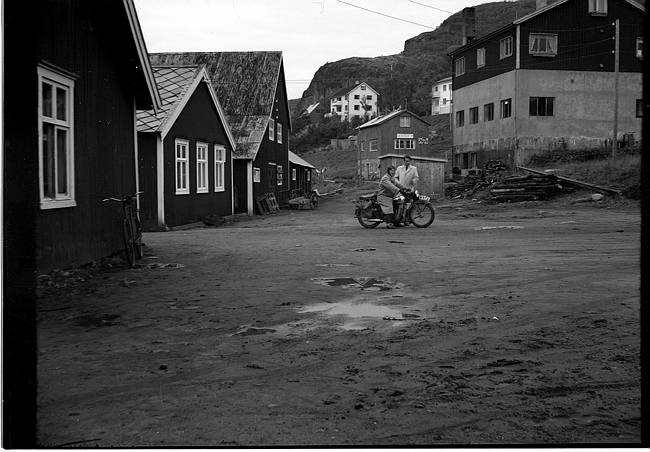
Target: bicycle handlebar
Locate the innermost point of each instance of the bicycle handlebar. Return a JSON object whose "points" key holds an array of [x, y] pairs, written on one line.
{"points": [[123, 199]]}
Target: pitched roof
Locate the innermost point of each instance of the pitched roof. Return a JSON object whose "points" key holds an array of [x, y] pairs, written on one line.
{"points": [[558, 3], [176, 84], [245, 83], [296, 160], [347, 89], [382, 119], [141, 47]]}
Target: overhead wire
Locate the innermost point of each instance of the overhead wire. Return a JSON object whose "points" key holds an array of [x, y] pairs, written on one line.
{"points": [[386, 15], [430, 6]]}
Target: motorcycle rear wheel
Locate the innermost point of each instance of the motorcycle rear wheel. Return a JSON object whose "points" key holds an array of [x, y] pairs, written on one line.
{"points": [[422, 215], [366, 223]]}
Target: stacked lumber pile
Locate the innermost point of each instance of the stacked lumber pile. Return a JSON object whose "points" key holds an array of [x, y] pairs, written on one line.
{"points": [[526, 188], [467, 187]]}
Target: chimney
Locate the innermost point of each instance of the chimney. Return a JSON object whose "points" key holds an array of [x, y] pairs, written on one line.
{"points": [[469, 24], [539, 4]]}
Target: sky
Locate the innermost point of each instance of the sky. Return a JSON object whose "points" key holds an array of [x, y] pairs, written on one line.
{"points": [[310, 33]]}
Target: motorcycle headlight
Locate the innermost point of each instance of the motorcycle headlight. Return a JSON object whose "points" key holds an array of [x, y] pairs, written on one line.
{"points": [[417, 193]]}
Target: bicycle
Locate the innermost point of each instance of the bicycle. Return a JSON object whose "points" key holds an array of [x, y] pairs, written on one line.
{"points": [[131, 228]]}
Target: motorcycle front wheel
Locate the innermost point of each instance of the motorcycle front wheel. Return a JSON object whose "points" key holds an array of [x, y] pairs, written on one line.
{"points": [[422, 215], [366, 223]]}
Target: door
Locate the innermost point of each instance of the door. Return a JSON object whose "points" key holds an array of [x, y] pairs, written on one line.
{"points": [[240, 185]]}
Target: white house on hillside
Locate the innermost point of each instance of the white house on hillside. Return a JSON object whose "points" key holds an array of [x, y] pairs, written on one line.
{"points": [[359, 100], [441, 97]]}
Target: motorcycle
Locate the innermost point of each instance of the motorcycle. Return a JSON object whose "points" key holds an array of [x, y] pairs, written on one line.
{"points": [[415, 208]]}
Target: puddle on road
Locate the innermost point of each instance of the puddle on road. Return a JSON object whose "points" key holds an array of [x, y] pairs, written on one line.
{"points": [[364, 283], [352, 309]]}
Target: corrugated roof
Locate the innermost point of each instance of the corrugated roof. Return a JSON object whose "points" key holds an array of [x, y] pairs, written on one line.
{"points": [[172, 83], [297, 160], [382, 119], [245, 83]]}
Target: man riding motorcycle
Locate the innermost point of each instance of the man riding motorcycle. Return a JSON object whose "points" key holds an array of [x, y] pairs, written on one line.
{"points": [[388, 188]]}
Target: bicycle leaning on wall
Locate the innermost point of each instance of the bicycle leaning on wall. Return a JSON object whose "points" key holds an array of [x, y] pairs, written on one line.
{"points": [[131, 228]]}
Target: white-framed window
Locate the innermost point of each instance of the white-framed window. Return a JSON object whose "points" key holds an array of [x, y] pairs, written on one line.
{"points": [[435, 89], [219, 167], [405, 121], [542, 44], [356, 96], [338, 108], [372, 145], [201, 167], [271, 129], [293, 174], [56, 139], [308, 175], [356, 107], [444, 87], [598, 7], [639, 47], [460, 67], [256, 174], [280, 174], [182, 167], [369, 97], [480, 57], [404, 143], [444, 101], [505, 47], [279, 137], [363, 87]]}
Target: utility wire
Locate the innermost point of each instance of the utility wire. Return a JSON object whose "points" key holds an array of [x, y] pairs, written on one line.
{"points": [[386, 15], [429, 6]]}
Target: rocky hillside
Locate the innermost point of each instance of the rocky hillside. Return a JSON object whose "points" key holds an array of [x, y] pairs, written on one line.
{"points": [[405, 79]]}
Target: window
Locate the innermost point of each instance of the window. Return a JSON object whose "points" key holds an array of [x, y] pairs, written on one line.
{"points": [[473, 115], [405, 121], [480, 57], [182, 167], [280, 174], [542, 44], [436, 102], [272, 129], [488, 112], [338, 108], [356, 107], [372, 145], [363, 87], [598, 7], [293, 174], [369, 97], [308, 175], [460, 118], [472, 159], [256, 174], [541, 106], [505, 47], [56, 139], [444, 101], [346, 108], [201, 168], [444, 87], [435, 89], [279, 132], [219, 167], [506, 108], [460, 68], [404, 143], [356, 96], [639, 47]]}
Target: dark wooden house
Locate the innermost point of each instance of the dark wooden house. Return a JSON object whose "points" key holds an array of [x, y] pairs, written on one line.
{"points": [[400, 132], [300, 172], [74, 73], [185, 151], [251, 88], [548, 82]]}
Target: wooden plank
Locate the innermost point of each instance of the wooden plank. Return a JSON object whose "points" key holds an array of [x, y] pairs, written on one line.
{"points": [[606, 190]]}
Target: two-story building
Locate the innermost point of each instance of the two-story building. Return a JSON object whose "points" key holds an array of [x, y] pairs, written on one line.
{"points": [[400, 132], [562, 77], [441, 97], [358, 101]]}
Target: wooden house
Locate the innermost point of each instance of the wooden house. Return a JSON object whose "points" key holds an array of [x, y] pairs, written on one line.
{"points": [[70, 137], [400, 132], [252, 90], [301, 174], [431, 172], [185, 151], [549, 81]]}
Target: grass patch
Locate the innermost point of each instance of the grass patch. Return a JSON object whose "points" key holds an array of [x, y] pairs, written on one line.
{"points": [[622, 173]]}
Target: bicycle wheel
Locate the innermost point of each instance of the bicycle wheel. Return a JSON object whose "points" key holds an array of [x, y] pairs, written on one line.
{"points": [[129, 248]]}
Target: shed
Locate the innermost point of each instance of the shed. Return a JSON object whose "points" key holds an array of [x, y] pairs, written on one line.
{"points": [[431, 171], [301, 172]]}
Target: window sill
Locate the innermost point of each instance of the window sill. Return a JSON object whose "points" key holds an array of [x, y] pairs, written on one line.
{"points": [[219, 190], [552, 55], [202, 190], [598, 13], [182, 192], [58, 204]]}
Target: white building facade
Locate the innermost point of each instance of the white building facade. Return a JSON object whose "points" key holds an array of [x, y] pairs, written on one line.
{"points": [[359, 101], [441, 97]]}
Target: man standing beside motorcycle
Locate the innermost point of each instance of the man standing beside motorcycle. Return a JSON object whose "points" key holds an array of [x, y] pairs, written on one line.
{"points": [[407, 176], [388, 188]]}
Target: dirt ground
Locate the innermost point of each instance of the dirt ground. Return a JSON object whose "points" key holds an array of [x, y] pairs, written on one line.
{"points": [[496, 325]]}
